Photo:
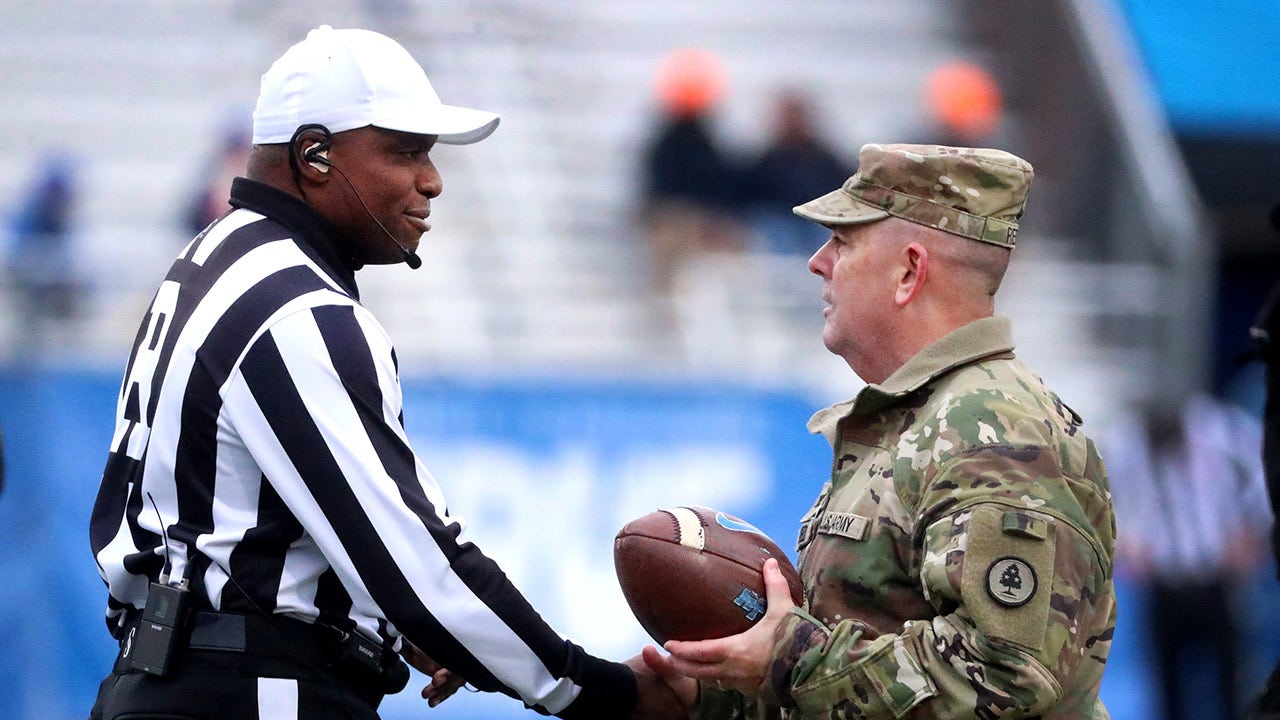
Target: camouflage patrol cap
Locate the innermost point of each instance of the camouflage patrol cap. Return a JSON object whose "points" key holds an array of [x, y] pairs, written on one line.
{"points": [[976, 193]]}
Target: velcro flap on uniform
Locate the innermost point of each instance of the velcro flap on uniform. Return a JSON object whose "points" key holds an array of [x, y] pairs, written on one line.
{"points": [[847, 525], [1025, 524]]}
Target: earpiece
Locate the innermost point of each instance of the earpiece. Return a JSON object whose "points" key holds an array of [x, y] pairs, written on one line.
{"points": [[316, 152], [317, 156]]}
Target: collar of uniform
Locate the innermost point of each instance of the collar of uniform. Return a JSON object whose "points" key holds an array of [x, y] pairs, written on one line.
{"points": [[964, 345], [318, 237]]}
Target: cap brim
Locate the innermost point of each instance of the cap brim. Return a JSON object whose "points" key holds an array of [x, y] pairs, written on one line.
{"points": [[839, 208], [452, 125]]}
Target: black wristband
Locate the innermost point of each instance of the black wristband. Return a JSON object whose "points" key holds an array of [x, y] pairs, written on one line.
{"points": [[608, 688]]}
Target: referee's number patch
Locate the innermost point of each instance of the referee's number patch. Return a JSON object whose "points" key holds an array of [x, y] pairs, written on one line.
{"points": [[1011, 582]]}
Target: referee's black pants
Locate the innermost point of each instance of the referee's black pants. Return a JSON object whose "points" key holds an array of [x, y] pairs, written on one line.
{"points": [[271, 678], [212, 694]]}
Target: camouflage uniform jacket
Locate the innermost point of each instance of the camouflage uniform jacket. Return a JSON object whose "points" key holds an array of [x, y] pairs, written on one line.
{"points": [[958, 564]]}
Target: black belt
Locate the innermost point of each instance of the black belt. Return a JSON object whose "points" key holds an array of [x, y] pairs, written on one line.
{"points": [[279, 646]]}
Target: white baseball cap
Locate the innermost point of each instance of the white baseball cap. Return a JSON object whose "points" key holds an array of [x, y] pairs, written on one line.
{"points": [[347, 79]]}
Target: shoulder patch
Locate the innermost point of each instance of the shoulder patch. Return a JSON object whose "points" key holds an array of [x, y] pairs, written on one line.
{"points": [[1000, 580], [1011, 582]]}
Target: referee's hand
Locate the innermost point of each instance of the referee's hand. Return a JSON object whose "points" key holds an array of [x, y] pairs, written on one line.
{"points": [[444, 682]]}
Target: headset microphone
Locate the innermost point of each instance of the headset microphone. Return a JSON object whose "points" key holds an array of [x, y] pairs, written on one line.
{"points": [[317, 156]]}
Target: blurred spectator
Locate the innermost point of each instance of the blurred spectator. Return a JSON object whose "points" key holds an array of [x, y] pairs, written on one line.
{"points": [[40, 259], [794, 168], [687, 183], [213, 186], [1191, 512], [966, 104]]}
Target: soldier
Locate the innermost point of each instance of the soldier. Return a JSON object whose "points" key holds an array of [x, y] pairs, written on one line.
{"points": [[958, 563]]}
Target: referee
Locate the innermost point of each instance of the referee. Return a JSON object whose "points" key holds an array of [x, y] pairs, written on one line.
{"points": [[270, 543]]}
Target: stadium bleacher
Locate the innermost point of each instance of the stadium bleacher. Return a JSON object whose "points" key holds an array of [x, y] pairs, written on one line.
{"points": [[533, 260], [535, 265]]}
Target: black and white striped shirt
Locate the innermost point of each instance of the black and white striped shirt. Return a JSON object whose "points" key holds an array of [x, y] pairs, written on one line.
{"points": [[261, 412]]}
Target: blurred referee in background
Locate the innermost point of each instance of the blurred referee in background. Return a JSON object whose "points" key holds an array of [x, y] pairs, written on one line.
{"points": [[1266, 335], [270, 543]]}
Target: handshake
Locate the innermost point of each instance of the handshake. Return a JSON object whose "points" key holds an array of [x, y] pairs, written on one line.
{"points": [[668, 686], [709, 587]]}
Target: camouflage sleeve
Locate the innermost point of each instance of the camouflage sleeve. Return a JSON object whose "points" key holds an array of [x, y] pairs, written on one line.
{"points": [[1022, 589], [720, 704], [732, 705]]}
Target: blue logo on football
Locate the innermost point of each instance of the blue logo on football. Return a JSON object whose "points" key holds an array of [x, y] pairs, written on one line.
{"points": [[728, 522], [753, 606]]}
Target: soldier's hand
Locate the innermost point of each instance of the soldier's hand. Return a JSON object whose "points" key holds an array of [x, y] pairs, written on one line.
{"points": [[738, 662]]}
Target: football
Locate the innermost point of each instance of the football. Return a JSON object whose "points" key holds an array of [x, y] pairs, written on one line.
{"points": [[693, 573]]}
